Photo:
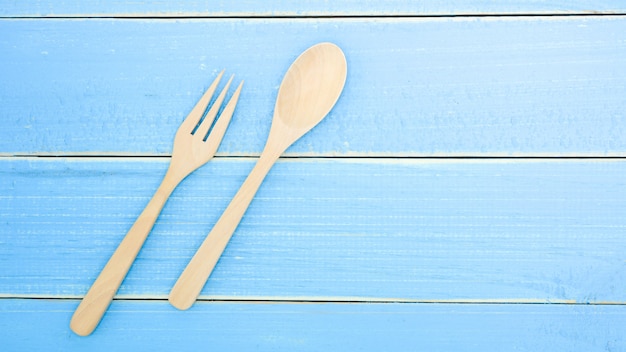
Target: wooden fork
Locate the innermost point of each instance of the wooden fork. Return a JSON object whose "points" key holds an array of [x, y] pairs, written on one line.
{"points": [[192, 149]]}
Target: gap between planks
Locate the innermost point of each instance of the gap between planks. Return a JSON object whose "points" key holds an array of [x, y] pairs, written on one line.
{"points": [[313, 15], [335, 300], [450, 158]]}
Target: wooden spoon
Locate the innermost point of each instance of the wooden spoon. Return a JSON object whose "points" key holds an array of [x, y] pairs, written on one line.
{"points": [[308, 92]]}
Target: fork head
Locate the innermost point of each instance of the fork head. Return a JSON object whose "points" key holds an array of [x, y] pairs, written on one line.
{"points": [[197, 138]]}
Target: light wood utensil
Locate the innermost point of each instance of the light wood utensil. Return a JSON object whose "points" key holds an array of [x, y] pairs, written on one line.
{"points": [[192, 149], [308, 92]]}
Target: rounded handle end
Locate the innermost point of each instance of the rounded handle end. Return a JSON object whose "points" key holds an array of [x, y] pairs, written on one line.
{"points": [[179, 302], [83, 325]]}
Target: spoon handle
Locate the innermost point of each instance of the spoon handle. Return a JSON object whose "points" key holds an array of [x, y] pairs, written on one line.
{"points": [[97, 300], [197, 272]]}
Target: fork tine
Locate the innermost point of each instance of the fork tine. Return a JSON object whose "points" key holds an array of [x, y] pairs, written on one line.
{"points": [[224, 119], [205, 125], [192, 120]]}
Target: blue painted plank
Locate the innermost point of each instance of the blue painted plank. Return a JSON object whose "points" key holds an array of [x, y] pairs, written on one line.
{"points": [[36, 325], [340, 229], [416, 87], [302, 8]]}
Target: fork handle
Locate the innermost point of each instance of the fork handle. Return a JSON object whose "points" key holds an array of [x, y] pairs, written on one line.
{"points": [[197, 272], [97, 300]]}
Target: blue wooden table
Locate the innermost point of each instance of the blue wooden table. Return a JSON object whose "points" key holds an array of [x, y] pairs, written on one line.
{"points": [[467, 193]]}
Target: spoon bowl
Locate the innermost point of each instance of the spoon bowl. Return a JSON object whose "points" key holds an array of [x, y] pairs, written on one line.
{"points": [[310, 89]]}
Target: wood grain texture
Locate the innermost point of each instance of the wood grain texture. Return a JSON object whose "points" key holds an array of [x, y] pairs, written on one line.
{"points": [[274, 8], [546, 86], [457, 230], [316, 327], [427, 254]]}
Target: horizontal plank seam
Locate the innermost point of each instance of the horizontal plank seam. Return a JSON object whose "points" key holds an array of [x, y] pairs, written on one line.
{"points": [[296, 17], [313, 158], [339, 300]]}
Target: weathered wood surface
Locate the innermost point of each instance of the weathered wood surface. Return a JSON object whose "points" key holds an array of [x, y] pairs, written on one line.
{"points": [[302, 8], [426, 239], [471, 87], [247, 326], [539, 230]]}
